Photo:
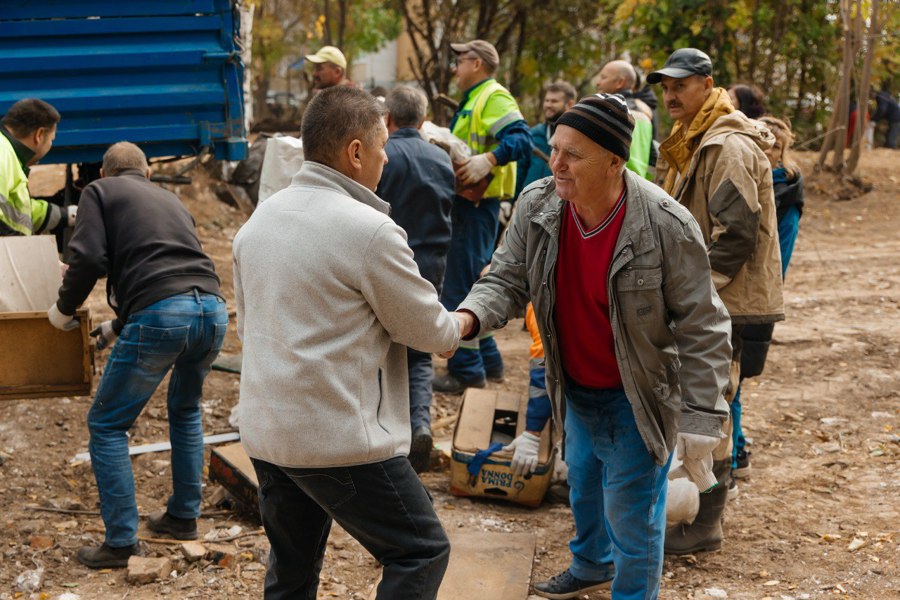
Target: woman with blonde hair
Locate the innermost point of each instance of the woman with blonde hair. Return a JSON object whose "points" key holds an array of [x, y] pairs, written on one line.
{"points": [[788, 184]]}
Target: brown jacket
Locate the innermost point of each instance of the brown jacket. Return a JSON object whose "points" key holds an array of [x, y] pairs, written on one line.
{"points": [[717, 169]]}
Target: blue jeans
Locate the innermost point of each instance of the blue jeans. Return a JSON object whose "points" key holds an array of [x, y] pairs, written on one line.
{"points": [[183, 333], [617, 493], [471, 247], [420, 391], [788, 227], [383, 505]]}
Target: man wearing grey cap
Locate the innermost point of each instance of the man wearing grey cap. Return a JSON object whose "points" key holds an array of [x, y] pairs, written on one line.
{"points": [[491, 124], [714, 164], [635, 338]]}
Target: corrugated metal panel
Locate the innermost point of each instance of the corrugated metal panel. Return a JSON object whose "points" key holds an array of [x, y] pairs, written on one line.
{"points": [[165, 74]]}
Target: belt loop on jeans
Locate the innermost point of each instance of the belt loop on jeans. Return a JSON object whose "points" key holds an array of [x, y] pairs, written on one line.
{"points": [[197, 295]]}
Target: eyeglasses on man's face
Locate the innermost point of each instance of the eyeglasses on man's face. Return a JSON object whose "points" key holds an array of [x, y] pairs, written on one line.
{"points": [[454, 62]]}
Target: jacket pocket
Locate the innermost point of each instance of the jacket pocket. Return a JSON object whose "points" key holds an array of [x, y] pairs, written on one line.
{"points": [[640, 294]]}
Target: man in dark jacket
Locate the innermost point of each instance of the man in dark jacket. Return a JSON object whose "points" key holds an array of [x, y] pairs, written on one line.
{"points": [[419, 184], [169, 313], [887, 109], [559, 97]]}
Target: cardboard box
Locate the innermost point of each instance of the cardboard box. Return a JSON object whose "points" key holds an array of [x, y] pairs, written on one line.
{"points": [[487, 416], [231, 468], [39, 361]]}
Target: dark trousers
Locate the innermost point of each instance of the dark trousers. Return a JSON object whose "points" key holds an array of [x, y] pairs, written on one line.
{"points": [[383, 505], [420, 391]]}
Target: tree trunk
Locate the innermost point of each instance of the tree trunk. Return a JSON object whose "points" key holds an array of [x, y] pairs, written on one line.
{"points": [[326, 12], [754, 44], [863, 101], [835, 141]]}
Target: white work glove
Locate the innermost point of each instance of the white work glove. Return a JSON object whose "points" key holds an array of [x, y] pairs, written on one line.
{"points": [[695, 452], [61, 321], [525, 453], [105, 334], [71, 211], [506, 209], [475, 169]]}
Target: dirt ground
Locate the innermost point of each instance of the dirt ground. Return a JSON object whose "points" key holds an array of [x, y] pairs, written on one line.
{"points": [[818, 517]]}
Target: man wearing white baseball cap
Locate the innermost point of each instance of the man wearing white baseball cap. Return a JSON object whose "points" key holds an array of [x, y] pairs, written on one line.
{"points": [[329, 68]]}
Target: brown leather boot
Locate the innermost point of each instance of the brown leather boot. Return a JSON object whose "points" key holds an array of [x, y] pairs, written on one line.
{"points": [[705, 533]]}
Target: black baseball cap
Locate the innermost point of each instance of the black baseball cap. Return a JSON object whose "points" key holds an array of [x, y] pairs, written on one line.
{"points": [[682, 63]]}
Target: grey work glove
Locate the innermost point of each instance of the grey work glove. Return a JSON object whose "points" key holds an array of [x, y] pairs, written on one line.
{"points": [[525, 453], [61, 321], [695, 453], [105, 334], [475, 169]]}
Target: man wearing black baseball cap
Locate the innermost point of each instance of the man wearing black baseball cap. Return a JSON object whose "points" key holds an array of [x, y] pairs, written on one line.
{"points": [[635, 340], [714, 164]]}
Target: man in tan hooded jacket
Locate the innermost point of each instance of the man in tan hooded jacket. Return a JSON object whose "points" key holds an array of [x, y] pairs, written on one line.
{"points": [[714, 164]]}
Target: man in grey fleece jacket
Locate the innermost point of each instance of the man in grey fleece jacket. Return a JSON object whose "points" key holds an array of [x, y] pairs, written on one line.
{"points": [[328, 298]]}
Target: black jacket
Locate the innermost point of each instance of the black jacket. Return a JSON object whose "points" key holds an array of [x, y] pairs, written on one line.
{"points": [[418, 182], [788, 193], [139, 236]]}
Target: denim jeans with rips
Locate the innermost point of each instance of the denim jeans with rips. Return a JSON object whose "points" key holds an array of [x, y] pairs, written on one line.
{"points": [[617, 493], [383, 505], [184, 334]]}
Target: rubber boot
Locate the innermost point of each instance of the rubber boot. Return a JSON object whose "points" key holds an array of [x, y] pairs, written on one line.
{"points": [[705, 533]]}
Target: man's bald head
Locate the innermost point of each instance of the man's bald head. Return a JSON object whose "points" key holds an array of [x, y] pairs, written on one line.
{"points": [[122, 156], [616, 76]]}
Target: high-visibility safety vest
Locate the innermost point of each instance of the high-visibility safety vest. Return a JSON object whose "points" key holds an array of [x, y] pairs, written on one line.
{"points": [[18, 212], [641, 142], [488, 109]]}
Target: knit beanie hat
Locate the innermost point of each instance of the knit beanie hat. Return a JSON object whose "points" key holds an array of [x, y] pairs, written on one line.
{"points": [[605, 119]]}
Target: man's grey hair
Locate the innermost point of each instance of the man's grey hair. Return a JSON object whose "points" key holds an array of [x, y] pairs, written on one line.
{"points": [[335, 117], [122, 156], [407, 106]]}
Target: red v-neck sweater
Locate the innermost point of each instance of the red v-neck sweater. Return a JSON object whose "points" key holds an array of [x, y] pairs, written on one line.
{"points": [[582, 298]]}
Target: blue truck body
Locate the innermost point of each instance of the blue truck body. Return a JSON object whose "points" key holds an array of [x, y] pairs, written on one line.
{"points": [[164, 74]]}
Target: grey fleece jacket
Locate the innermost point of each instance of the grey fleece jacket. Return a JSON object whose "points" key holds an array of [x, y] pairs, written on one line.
{"points": [[328, 297]]}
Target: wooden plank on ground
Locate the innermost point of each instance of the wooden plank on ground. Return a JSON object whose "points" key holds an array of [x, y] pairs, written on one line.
{"points": [[487, 565]]}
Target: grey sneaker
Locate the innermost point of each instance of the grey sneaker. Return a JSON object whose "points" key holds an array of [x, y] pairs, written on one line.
{"points": [[565, 585]]}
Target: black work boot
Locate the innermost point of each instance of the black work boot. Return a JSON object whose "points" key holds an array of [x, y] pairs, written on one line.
{"points": [[705, 533], [179, 529], [106, 557], [420, 449], [449, 384]]}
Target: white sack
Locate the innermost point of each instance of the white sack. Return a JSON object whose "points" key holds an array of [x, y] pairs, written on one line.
{"points": [[284, 155]]}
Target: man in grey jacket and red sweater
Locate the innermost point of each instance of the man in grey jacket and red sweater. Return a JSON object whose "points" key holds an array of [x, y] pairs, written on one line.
{"points": [[635, 339], [169, 316], [328, 298]]}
